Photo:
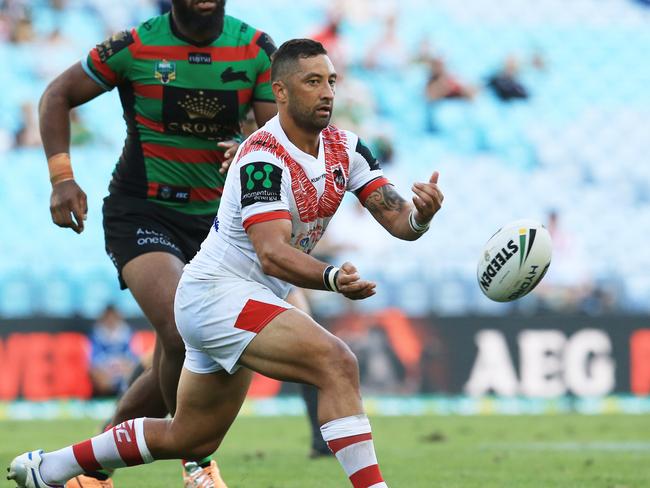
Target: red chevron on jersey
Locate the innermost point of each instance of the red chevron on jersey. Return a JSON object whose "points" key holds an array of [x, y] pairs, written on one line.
{"points": [[337, 167]]}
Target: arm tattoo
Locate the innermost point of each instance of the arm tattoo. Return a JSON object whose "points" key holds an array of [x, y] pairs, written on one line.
{"points": [[384, 199]]}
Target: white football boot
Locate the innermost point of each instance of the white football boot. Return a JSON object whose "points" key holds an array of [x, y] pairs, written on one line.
{"points": [[24, 470]]}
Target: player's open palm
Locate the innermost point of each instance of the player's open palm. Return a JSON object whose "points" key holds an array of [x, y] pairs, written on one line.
{"points": [[427, 199], [351, 285], [68, 205]]}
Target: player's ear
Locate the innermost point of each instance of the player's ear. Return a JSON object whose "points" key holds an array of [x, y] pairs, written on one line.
{"points": [[279, 91]]}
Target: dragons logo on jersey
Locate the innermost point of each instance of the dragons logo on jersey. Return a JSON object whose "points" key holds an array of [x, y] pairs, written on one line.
{"points": [[338, 177], [208, 114], [165, 71], [260, 182]]}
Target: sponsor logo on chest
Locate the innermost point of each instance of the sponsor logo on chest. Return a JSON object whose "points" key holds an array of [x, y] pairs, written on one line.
{"points": [[199, 58]]}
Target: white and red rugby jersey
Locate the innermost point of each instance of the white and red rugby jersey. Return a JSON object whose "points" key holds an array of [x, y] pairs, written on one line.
{"points": [[270, 179]]}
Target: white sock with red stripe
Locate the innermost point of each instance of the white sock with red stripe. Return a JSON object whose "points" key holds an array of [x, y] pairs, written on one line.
{"points": [[120, 446], [350, 439]]}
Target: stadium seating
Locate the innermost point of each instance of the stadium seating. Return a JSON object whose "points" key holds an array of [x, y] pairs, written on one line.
{"points": [[578, 145]]}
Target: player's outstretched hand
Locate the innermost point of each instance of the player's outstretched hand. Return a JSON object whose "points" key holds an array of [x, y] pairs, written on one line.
{"points": [[68, 205], [230, 148], [427, 199], [351, 285]]}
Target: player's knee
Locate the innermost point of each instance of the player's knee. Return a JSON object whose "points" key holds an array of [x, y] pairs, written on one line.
{"points": [[197, 450], [341, 364], [171, 341]]}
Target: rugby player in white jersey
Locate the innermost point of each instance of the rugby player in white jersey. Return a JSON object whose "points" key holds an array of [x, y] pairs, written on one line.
{"points": [[285, 184]]}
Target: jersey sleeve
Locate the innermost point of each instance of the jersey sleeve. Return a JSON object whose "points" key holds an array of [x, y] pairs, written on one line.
{"points": [[365, 173], [264, 185], [262, 91], [108, 63]]}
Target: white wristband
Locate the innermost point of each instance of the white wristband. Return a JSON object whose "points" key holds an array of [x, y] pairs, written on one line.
{"points": [[329, 278], [415, 227]]}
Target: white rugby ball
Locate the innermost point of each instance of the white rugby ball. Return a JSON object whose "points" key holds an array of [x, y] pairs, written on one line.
{"points": [[514, 260]]}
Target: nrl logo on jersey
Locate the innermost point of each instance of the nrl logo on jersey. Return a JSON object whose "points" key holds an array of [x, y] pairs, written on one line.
{"points": [[165, 71]]}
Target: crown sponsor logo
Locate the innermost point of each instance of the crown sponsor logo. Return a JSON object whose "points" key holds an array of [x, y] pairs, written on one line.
{"points": [[201, 106], [208, 114]]}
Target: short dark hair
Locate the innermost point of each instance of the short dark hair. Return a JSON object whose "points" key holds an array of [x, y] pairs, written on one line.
{"points": [[289, 52]]}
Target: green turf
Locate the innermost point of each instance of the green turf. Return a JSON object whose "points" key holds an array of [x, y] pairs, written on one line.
{"points": [[563, 451]]}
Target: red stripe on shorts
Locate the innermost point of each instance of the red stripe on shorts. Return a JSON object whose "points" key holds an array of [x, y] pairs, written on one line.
{"points": [[336, 445], [255, 315], [85, 456], [127, 444], [365, 477]]}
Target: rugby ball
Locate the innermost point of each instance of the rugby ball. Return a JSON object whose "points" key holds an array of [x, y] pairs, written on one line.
{"points": [[514, 260]]}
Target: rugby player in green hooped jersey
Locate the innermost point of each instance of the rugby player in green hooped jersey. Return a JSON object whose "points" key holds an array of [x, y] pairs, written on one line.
{"points": [[186, 79]]}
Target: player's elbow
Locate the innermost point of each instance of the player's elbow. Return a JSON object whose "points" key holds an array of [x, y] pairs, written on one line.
{"points": [[55, 95], [269, 261]]}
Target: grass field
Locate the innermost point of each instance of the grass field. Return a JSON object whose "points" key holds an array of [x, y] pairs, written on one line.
{"points": [[561, 451]]}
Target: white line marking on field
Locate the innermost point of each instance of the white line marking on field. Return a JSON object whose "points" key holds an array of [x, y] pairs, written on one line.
{"points": [[572, 446]]}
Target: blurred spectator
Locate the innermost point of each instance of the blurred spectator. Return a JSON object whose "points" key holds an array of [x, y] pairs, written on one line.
{"points": [[111, 361], [15, 9], [79, 133], [122, 12], [354, 106], [23, 31], [383, 149], [58, 4], [5, 26], [59, 51], [442, 85], [568, 282], [388, 51], [380, 369], [28, 134], [505, 82], [330, 37]]}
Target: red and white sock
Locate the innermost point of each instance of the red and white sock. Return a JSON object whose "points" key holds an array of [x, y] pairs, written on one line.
{"points": [[120, 446], [350, 439]]}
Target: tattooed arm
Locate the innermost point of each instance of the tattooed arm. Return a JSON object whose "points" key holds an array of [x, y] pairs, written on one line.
{"points": [[393, 212]]}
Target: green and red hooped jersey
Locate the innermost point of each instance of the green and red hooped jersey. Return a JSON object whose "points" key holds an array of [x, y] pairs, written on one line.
{"points": [[179, 101]]}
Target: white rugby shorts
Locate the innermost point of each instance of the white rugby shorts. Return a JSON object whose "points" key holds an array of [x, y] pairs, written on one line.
{"points": [[217, 318]]}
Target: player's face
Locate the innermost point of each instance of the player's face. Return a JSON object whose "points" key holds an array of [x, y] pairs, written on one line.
{"points": [[200, 14], [311, 90]]}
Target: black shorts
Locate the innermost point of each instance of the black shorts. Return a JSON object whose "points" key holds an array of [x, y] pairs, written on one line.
{"points": [[133, 226]]}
